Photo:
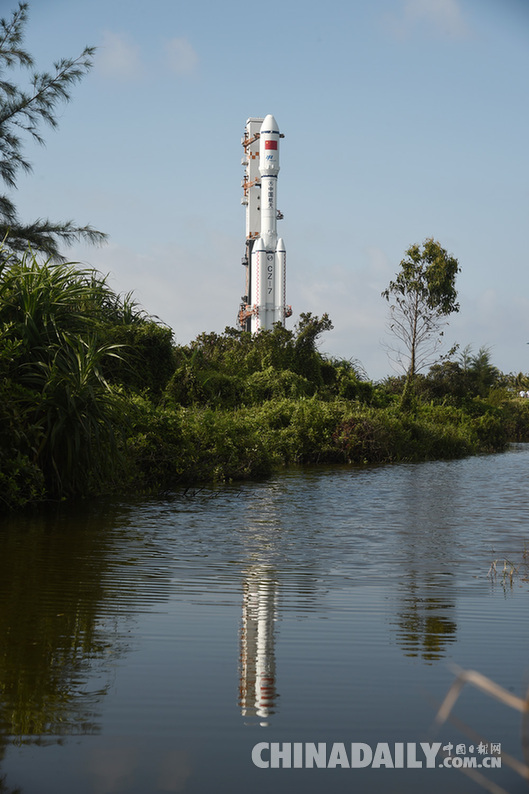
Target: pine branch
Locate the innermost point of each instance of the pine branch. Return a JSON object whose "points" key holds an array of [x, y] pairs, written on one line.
{"points": [[44, 236], [7, 211], [25, 111], [10, 52], [48, 90]]}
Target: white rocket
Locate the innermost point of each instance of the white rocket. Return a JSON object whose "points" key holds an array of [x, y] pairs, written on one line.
{"points": [[265, 301]]}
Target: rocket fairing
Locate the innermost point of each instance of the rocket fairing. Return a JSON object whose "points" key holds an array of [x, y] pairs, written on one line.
{"points": [[265, 301]]}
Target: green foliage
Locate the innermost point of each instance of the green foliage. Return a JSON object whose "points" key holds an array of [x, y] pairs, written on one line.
{"points": [[234, 368], [420, 298], [169, 446], [154, 447], [307, 361], [273, 384], [516, 419], [483, 375], [174, 445], [93, 396], [241, 354], [427, 274], [21, 480], [458, 381], [491, 431], [200, 383], [388, 435], [24, 111], [62, 420], [77, 414], [147, 356]]}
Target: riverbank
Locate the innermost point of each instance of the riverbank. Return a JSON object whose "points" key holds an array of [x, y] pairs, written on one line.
{"points": [[96, 398], [177, 445]]}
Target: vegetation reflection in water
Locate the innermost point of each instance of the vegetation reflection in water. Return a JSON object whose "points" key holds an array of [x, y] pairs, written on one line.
{"points": [[54, 629], [338, 566]]}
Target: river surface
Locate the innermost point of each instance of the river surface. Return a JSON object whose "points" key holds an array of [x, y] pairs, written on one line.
{"points": [[150, 646]]}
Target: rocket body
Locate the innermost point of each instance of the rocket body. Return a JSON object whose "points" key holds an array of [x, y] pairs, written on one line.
{"points": [[269, 169], [266, 278]]}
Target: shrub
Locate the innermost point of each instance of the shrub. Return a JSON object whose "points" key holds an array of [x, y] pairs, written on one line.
{"points": [[272, 384], [147, 356]]}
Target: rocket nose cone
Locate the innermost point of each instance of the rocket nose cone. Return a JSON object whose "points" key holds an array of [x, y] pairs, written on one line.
{"points": [[269, 124]]}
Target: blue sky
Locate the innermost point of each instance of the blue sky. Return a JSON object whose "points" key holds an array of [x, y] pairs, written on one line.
{"points": [[403, 119]]}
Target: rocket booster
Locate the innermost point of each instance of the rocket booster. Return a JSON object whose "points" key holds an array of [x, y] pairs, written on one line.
{"points": [[266, 299]]}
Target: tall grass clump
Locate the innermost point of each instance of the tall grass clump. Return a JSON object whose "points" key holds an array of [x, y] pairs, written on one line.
{"points": [[63, 413]]}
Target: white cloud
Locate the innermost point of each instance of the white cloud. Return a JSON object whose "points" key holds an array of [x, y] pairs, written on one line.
{"points": [[181, 56], [119, 56], [444, 16]]}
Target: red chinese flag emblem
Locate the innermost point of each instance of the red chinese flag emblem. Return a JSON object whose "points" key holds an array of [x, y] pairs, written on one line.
{"points": [[270, 144]]}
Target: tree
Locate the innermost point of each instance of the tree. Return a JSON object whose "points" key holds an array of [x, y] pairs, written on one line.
{"points": [[482, 372], [420, 298], [24, 111]]}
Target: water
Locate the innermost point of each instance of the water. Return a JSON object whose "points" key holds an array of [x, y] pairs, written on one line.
{"points": [[147, 647]]}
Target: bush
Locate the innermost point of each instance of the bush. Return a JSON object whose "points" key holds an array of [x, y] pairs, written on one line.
{"points": [[147, 357], [171, 446], [491, 432], [272, 384]]}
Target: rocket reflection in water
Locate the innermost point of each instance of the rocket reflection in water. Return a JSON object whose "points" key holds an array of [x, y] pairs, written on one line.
{"points": [[257, 688]]}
